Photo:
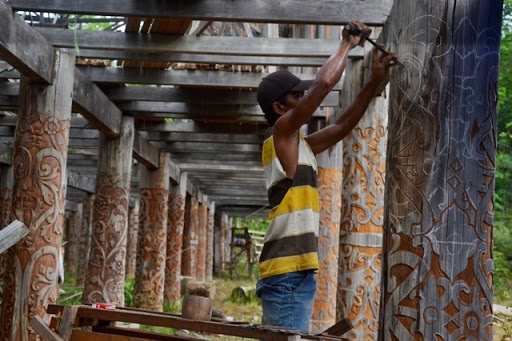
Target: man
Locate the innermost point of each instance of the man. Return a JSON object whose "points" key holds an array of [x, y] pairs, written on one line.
{"points": [[289, 256]]}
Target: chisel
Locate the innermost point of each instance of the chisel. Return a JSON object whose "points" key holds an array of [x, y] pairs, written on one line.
{"points": [[353, 30]]}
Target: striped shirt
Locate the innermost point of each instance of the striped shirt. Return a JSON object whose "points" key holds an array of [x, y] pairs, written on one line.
{"points": [[292, 236]]}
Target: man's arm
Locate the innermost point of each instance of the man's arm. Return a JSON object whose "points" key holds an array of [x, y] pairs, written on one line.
{"points": [[332, 134], [292, 118]]}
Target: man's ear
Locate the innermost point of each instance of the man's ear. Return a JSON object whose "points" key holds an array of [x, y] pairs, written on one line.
{"points": [[278, 108]]}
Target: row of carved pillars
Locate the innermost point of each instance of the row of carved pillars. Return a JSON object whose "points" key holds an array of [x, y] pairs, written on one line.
{"points": [[164, 225]]}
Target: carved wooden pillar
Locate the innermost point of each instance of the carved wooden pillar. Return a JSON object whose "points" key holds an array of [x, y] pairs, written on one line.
{"points": [[7, 257], [329, 186], [190, 238], [362, 212], [71, 255], [6, 184], [202, 239], [225, 239], [210, 241], [131, 244], [150, 270], [175, 226], [107, 258], [39, 161], [437, 273], [85, 239]]}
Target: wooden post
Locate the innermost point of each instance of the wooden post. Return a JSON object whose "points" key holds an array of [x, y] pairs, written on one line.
{"points": [[6, 184], [190, 238], [437, 273], [177, 196], [107, 259], [210, 241], [202, 239], [362, 212], [39, 162], [6, 258], [85, 239], [131, 244], [73, 241], [150, 270]]}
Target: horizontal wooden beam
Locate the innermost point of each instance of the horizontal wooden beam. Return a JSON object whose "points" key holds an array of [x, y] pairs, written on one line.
{"points": [[178, 44], [192, 95], [25, 49], [202, 128], [145, 152], [97, 108], [327, 12]]}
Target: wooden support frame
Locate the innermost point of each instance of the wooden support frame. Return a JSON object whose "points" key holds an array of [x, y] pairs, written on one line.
{"points": [[103, 320]]}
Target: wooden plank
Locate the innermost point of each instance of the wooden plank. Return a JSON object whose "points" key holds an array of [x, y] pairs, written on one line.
{"points": [[328, 12], [82, 182], [173, 43], [208, 58], [205, 137], [43, 330], [145, 152], [22, 47], [11, 234], [92, 104], [67, 319], [109, 333], [198, 128], [195, 95], [214, 79]]}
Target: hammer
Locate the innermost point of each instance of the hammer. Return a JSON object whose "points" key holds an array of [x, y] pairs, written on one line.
{"points": [[353, 30]]}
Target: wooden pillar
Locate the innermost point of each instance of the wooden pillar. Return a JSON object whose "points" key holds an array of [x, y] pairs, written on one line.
{"points": [[85, 239], [71, 254], [437, 273], [190, 238], [7, 257], [210, 241], [202, 239], [362, 212], [131, 244], [39, 162], [226, 239], [107, 258], [6, 184], [150, 270], [175, 226], [329, 185]]}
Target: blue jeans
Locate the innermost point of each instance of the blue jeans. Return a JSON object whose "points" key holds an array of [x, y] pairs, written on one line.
{"points": [[287, 300]]}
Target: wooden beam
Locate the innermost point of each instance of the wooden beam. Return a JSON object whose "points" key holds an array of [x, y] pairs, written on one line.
{"points": [[198, 128], [92, 104], [43, 330], [193, 95], [25, 49], [328, 12], [11, 234], [145, 152], [172, 43], [5, 154], [207, 58], [81, 181]]}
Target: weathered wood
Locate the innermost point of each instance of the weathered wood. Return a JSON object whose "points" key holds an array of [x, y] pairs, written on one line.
{"points": [[217, 79], [440, 175], [108, 333], [81, 181], [43, 330], [330, 12], [85, 238], [18, 41], [210, 236], [92, 104], [151, 252], [173, 43], [192, 95], [145, 152], [44, 116], [67, 319], [107, 263], [176, 219], [11, 234], [5, 154]]}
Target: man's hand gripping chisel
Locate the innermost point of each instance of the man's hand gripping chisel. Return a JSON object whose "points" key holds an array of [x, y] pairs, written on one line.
{"points": [[353, 30]]}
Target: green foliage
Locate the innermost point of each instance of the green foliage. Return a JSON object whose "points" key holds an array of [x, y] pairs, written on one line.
{"points": [[258, 224]]}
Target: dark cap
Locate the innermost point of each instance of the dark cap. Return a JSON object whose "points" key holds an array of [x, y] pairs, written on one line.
{"points": [[277, 84]]}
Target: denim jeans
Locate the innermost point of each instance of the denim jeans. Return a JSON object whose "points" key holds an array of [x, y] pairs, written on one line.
{"points": [[287, 300]]}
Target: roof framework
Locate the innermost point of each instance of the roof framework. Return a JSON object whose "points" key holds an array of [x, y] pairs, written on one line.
{"points": [[186, 70]]}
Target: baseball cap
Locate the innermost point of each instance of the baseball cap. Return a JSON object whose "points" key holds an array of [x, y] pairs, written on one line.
{"points": [[276, 85]]}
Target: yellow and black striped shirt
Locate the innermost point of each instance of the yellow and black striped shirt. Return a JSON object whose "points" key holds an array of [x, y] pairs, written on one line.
{"points": [[292, 236]]}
